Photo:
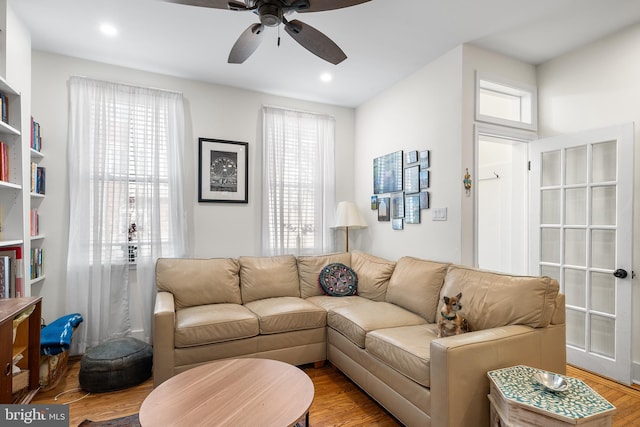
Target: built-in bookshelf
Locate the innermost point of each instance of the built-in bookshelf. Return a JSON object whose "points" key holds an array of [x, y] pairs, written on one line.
{"points": [[22, 191], [12, 194], [37, 178]]}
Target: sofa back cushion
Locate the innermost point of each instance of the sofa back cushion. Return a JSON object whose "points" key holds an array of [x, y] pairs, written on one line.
{"points": [[415, 285], [373, 275], [199, 281], [309, 268], [490, 300], [268, 277]]}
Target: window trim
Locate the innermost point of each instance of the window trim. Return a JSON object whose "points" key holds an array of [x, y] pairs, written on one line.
{"points": [[512, 88]]}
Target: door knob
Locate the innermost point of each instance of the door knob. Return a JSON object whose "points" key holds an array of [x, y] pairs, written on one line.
{"points": [[620, 273]]}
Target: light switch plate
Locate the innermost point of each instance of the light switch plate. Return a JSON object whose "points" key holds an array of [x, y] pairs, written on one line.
{"points": [[439, 214]]}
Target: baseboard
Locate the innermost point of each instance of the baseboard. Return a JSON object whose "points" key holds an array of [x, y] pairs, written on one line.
{"points": [[139, 334], [635, 372]]}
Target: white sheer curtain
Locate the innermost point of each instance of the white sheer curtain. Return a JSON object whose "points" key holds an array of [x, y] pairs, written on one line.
{"points": [[125, 155], [298, 201]]}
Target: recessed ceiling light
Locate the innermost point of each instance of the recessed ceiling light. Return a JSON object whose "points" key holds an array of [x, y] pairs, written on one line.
{"points": [[108, 30], [326, 77]]}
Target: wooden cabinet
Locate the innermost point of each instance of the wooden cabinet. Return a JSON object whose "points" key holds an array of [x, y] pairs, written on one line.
{"points": [[20, 387]]}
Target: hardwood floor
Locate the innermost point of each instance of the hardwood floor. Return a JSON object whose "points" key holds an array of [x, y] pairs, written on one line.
{"points": [[338, 402]]}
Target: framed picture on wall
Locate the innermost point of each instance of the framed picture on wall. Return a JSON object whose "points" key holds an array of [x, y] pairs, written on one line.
{"points": [[384, 206], [374, 203], [424, 200], [412, 209], [424, 179], [397, 224], [411, 157], [223, 173], [412, 179], [397, 205], [387, 173], [424, 159]]}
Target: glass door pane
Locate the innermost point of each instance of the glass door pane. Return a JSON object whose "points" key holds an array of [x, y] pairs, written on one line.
{"points": [[603, 205], [576, 165], [604, 167]]}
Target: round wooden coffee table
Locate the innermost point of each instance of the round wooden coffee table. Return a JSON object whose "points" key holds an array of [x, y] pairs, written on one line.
{"points": [[231, 392]]}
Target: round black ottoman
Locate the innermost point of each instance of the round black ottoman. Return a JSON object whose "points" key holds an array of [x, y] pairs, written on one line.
{"points": [[115, 364]]}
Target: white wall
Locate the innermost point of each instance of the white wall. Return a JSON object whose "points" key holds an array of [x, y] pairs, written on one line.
{"points": [[421, 112], [592, 87], [431, 109], [215, 230]]}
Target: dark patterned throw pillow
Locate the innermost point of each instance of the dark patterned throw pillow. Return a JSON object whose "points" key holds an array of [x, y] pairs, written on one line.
{"points": [[338, 280]]}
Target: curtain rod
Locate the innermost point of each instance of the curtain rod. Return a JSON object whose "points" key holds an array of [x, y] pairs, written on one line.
{"points": [[128, 85]]}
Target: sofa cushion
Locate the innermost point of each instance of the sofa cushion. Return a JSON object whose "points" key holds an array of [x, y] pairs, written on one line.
{"points": [[287, 314], [338, 280], [355, 321], [329, 303], [406, 349], [491, 300], [207, 324], [196, 282], [309, 268], [415, 285], [373, 275], [268, 277]]}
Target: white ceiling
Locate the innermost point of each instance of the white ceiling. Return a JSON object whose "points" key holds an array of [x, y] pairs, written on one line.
{"points": [[385, 40]]}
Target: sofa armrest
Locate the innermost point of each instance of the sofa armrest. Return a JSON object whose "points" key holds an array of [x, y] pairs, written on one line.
{"points": [[459, 366], [164, 319]]}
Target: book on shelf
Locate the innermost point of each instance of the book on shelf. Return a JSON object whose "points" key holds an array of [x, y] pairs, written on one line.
{"points": [[36, 135], [4, 107], [13, 266], [5, 277], [17, 268], [37, 263], [38, 178], [4, 162], [34, 223]]}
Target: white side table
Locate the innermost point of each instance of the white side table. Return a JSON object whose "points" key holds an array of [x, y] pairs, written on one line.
{"points": [[518, 400]]}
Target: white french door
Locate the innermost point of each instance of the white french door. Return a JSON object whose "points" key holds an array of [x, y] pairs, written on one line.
{"points": [[581, 235]]}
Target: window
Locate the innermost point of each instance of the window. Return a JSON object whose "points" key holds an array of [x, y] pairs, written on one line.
{"points": [[299, 182], [136, 165], [506, 103]]}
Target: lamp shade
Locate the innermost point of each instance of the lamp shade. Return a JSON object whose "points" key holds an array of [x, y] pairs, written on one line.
{"points": [[348, 216]]}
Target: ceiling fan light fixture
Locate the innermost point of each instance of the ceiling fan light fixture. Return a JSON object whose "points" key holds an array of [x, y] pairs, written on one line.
{"points": [[270, 14]]}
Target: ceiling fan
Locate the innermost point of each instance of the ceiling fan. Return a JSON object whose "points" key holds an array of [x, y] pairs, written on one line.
{"points": [[272, 13]]}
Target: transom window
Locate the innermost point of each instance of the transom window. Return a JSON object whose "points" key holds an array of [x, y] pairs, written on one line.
{"points": [[506, 103]]}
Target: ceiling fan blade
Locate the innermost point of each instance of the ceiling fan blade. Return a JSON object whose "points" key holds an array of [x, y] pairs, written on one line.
{"points": [[246, 44], [314, 41], [321, 5], [215, 4]]}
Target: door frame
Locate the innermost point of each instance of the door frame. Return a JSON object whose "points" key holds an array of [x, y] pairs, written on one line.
{"points": [[496, 131]]}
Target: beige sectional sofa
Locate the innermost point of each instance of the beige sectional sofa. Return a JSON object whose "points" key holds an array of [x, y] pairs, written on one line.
{"points": [[384, 338]]}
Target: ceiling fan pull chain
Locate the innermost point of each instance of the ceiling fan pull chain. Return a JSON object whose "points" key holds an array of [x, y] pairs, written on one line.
{"points": [[278, 35]]}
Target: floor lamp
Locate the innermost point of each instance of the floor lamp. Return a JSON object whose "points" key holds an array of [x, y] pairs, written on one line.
{"points": [[348, 216]]}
